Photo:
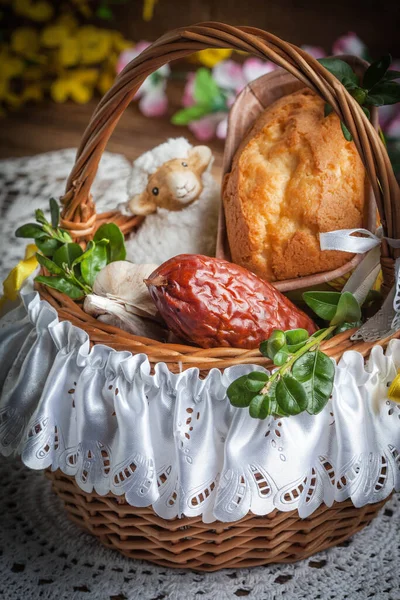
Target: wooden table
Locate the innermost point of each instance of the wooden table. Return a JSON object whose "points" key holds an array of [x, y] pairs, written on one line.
{"points": [[50, 126]]}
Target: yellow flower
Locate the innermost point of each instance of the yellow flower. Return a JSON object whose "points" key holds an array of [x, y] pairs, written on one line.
{"points": [[119, 42], [83, 7], [69, 52], [76, 85], [32, 92], [148, 9], [95, 44], [106, 79], [10, 66], [25, 41], [37, 11], [68, 21], [13, 283], [394, 390], [213, 56], [54, 35]]}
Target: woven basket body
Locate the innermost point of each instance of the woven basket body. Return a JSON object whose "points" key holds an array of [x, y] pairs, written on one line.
{"points": [[187, 542]]}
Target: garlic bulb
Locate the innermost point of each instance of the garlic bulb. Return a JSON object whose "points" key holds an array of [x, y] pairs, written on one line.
{"points": [[123, 281], [122, 299]]}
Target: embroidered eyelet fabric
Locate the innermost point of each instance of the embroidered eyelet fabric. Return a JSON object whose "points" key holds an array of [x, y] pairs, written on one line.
{"points": [[173, 441]]}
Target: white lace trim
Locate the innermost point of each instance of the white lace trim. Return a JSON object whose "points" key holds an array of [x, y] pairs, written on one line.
{"points": [[174, 441]]}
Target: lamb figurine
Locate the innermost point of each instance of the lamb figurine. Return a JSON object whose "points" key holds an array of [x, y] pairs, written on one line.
{"points": [[172, 185]]}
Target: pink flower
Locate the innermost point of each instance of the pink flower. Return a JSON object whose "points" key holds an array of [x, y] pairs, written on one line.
{"points": [[229, 75], [315, 51], [153, 101], [205, 128], [188, 93], [349, 44], [393, 128], [253, 68]]}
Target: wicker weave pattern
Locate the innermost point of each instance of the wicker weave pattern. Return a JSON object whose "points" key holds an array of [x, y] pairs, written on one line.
{"points": [[189, 543]]}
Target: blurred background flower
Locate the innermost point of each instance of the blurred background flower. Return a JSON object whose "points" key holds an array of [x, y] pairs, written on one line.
{"points": [[153, 101], [60, 50]]}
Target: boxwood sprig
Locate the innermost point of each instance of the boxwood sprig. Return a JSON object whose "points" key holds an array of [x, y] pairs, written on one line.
{"points": [[378, 86], [72, 269], [303, 379]]}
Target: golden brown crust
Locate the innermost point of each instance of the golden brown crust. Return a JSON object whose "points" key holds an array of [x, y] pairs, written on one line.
{"points": [[293, 176]]}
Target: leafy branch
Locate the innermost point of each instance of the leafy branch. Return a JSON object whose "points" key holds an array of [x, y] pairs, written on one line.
{"points": [[377, 88], [303, 380], [72, 269]]}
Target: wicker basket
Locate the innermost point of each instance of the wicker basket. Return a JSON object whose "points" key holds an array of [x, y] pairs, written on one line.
{"points": [[188, 542]]}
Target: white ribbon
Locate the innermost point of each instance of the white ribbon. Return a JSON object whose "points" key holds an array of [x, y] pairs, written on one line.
{"points": [[365, 274], [343, 240]]}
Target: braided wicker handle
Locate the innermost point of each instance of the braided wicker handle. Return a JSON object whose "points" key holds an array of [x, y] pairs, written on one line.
{"points": [[78, 212]]}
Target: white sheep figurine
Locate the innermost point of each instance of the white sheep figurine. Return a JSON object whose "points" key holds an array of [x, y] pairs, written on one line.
{"points": [[172, 185]]}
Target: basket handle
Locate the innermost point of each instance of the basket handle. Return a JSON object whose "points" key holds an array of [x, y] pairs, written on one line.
{"points": [[78, 213]]}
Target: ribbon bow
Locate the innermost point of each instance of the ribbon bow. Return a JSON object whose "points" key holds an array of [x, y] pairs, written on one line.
{"points": [[365, 274]]}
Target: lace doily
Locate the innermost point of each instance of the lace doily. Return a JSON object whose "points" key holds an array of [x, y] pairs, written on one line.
{"points": [[46, 557]]}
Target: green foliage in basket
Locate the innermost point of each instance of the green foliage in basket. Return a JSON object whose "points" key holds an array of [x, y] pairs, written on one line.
{"points": [[303, 380], [72, 269], [377, 88]]}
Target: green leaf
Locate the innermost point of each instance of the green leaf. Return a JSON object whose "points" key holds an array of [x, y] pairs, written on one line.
{"points": [[359, 94], [239, 394], [367, 112], [376, 71], [191, 113], [256, 405], [89, 249], [346, 132], [47, 245], [104, 12], [256, 381], [273, 344], [327, 110], [316, 334], [296, 338], [324, 304], [39, 216], [281, 357], [390, 75], [55, 212], [269, 405], [348, 309], [316, 372], [205, 88], [116, 247], [291, 395], [62, 285], [49, 264], [92, 265], [340, 69], [30, 230], [66, 254], [387, 92]]}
